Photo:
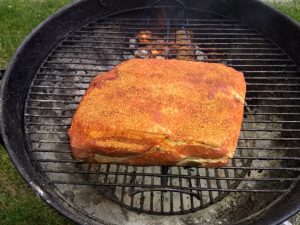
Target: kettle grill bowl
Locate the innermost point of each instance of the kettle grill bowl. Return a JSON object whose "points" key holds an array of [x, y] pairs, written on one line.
{"points": [[49, 74]]}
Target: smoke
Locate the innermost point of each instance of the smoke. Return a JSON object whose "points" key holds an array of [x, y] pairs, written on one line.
{"points": [[166, 11], [173, 9]]}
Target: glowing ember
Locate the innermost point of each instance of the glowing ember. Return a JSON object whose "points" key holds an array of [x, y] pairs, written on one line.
{"points": [[152, 46], [156, 52]]}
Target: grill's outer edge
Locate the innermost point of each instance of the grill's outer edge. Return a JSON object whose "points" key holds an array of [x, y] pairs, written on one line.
{"points": [[22, 162], [278, 211]]}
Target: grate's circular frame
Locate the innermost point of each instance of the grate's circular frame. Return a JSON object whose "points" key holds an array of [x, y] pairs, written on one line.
{"points": [[274, 86]]}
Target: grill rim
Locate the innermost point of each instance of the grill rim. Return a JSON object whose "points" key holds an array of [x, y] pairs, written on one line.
{"points": [[280, 210]]}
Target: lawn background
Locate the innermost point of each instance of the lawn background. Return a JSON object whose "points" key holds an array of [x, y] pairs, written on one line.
{"points": [[18, 204]]}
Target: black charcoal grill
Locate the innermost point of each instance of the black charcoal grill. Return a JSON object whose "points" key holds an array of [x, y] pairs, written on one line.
{"points": [[54, 66]]}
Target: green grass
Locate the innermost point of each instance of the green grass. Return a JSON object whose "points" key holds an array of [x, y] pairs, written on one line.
{"points": [[18, 18], [18, 204], [292, 9]]}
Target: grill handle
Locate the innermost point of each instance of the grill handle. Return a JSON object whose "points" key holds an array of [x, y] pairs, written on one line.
{"points": [[2, 74], [1, 77]]}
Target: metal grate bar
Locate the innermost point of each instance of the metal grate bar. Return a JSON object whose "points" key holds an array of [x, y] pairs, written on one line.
{"points": [[68, 42], [72, 109], [274, 91], [252, 148], [154, 26], [278, 121], [277, 114], [147, 24], [60, 95], [272, 71], [267, 158], [250, 98], [174, 28], [48, 124], [273, 99], [274, 106], [57, 68], [179, 175], [124, 184], [88, 82], [151, 193], [242, 33], [157, 187], [57, 57], [272, 78], [241, 139], [51, 150], [65, 75], [56, 87], [181, 195], [56, 116], [65, 46], [133, 177], [264, 148], [271, 130], [92, 35], [105, 70], [250, 130], [171, 194], [114, 64], [142, 199], [146, 20], [209, 54], [227, 167], [246, 75]]}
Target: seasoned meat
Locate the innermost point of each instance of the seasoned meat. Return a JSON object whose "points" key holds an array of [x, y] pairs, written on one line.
{"points": [[160, 112]]}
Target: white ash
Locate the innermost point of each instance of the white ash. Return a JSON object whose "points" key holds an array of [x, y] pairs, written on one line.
{"points": [[200, 55], [142, 54], [128, 55], [133, 43]]}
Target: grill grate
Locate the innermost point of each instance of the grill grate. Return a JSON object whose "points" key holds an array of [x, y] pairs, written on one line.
{"points": [[267, 157]]}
